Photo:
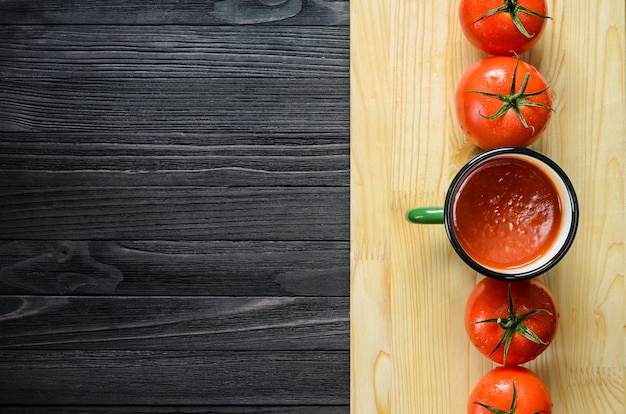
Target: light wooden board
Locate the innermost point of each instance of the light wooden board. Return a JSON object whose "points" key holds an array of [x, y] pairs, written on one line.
{"points": [[409, 350]]}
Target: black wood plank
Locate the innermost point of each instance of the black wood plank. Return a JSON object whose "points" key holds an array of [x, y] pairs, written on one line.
{"points": [[174, 377], [156, 155], [238, 409], [239, 268], [68, 52], [175, 213], [208, 12], [241, 105], [212, 159], [174, 323]]}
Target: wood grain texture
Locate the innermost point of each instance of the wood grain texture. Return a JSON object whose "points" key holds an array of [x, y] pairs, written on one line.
{"points": [[71, 51], [175, 213], [410, 353], [183, 110], [194, 268], [181, 105], [181, 409], [174, 323], [211, 12], [127, 377], [175, 159]]}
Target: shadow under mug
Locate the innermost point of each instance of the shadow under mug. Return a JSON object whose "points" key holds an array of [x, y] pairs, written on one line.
{"points": [[510, 213]]}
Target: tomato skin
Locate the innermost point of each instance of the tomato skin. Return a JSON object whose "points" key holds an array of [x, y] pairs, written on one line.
{"points": [[495, 75], [495, 389], [489, 300], [497, 34]]}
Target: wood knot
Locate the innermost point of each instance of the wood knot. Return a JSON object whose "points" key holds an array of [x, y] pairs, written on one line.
{"points": [[382, 382], [255, 11], [63, 253], [59, 267]]}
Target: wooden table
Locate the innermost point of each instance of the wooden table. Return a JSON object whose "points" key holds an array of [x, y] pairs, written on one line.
{"points": [[174, 206], [409, 350]]}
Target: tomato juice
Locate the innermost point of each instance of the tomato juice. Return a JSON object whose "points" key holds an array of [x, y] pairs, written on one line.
{"points": [[506, 213]]}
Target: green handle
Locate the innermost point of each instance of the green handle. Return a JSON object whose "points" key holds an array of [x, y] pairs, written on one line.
{"points": [[426, 215]]}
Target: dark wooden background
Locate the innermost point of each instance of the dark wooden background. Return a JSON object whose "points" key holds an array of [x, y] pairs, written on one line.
{"points": [[174, 206]]}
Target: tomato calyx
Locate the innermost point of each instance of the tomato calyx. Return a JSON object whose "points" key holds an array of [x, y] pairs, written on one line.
{"points": [[514, 324], [513, 9], [514, 100], [511, 409]]}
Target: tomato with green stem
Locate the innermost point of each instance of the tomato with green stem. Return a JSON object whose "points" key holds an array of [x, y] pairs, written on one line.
{"points": [[511, 322], [510, 390], [503, 27], [502, 101]]}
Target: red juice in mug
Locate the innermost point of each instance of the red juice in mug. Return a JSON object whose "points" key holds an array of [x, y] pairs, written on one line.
{"points": [[510, 213], [506, 213]]}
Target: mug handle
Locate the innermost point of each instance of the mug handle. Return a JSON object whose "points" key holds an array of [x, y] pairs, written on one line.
{"points": [[426, 215]]}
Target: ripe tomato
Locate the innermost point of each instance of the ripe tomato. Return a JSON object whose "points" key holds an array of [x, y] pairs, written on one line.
{"points": [[510, 390], [511, 322], [503, 27], [502, 101]]}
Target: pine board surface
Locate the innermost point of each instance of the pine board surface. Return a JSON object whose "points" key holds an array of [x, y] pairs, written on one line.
{"points": [[409, 350]]}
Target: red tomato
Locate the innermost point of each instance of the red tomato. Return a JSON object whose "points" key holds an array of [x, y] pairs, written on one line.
{"points": [[502, 101], [511, 322], [510, 390], [503, 27]]}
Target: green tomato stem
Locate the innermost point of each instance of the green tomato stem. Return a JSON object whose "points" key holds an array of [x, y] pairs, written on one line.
{"points": [[514, 100], [514, 324], [512, 8]]}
